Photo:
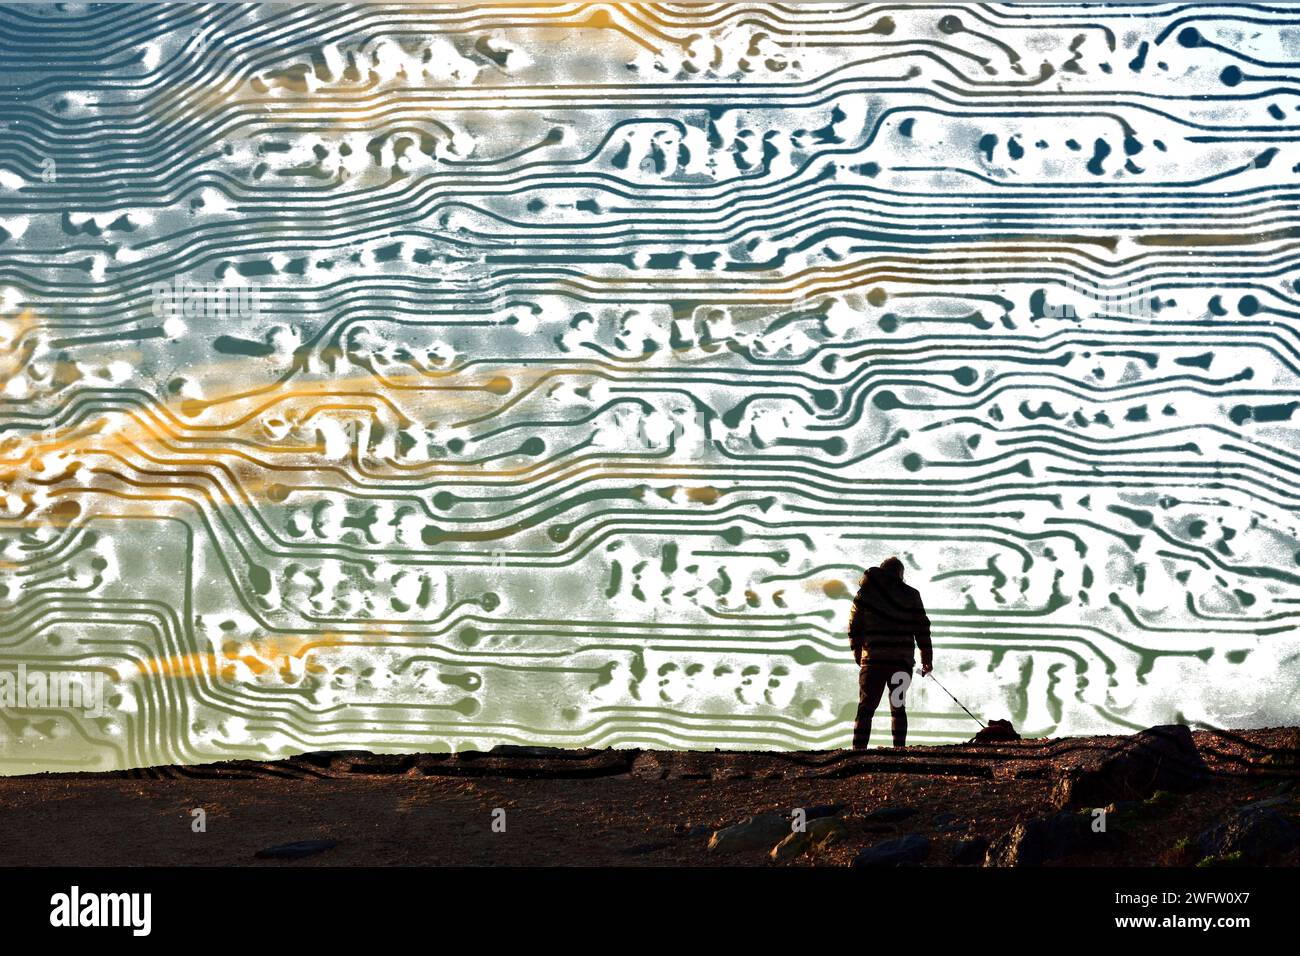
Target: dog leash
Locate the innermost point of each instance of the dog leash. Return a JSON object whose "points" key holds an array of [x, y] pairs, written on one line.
{"points": [[954, 699]]}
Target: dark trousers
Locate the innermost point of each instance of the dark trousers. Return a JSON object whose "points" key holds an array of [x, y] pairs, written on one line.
{"points": [[876, 679]]}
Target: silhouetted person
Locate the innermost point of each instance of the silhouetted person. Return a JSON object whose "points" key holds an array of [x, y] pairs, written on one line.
{"points": [[887, 619]]}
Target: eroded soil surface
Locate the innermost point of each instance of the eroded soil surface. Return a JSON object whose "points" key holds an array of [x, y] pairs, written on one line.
{"points": [[608, 807]]}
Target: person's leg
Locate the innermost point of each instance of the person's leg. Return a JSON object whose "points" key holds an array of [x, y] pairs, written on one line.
{"points": [[899, 680], [871, 686]]}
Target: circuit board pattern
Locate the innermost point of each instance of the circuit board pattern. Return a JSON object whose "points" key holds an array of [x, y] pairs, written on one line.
{"points": [[435, 377]]}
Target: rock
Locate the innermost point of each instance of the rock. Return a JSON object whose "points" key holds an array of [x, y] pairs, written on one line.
{"points": [[1286, 755], [753, 833], [1160, 802], [702, 830], [823, 810], [889, 814], [318, 758], [941, 819], [1126, 814], [377, 764], [1278, 801], [826, 831], [526, 750], [970, 851], [646, 766], [1043, 839], [295, 851], [819, 833], [1125, 807], [1161, 758], [912, 848], [1256, 832], [1123, 816], [794, 845]]}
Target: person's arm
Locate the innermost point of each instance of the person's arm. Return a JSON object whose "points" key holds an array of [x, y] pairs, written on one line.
{"points": [[922, 634], [855, 633]]}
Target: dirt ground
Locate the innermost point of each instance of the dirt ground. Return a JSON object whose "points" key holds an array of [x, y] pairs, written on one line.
{"points": [[623, 808]]}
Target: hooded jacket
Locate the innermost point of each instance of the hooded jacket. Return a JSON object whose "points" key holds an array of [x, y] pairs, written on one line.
{"points": [[888, 620]]}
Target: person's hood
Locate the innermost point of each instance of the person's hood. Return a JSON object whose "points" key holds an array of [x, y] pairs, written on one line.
{"points": [[880, 578]]}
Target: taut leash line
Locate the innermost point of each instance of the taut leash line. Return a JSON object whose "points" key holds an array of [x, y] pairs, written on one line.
{"points": [[954, 699]]}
